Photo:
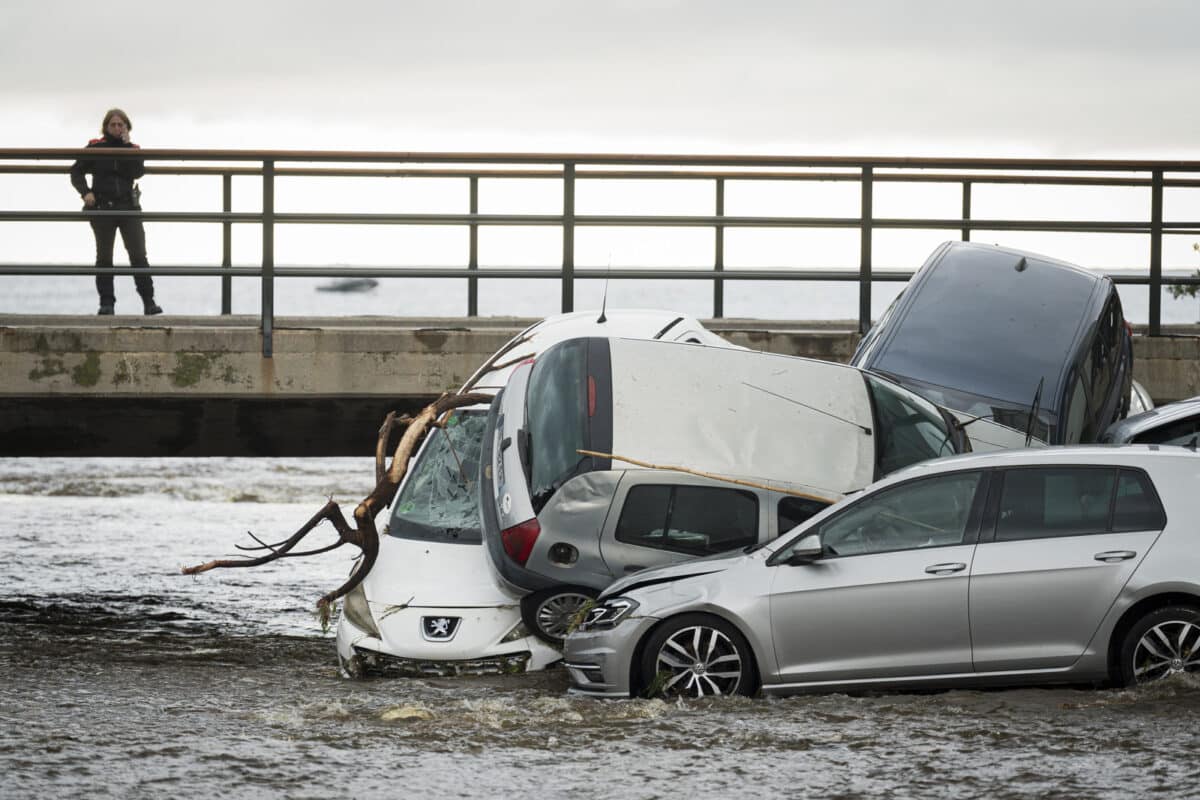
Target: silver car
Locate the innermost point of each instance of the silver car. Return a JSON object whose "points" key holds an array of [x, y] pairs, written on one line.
{"points": [[1174, 423], [1028, 566]]}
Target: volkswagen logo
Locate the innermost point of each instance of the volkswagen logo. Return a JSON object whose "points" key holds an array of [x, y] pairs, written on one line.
{"points": [[439, 629]]}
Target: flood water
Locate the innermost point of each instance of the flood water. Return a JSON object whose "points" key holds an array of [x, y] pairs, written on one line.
{"points": [[123, 678]]}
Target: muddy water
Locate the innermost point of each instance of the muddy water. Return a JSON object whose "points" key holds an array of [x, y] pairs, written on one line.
{"points": [[122, 678]]}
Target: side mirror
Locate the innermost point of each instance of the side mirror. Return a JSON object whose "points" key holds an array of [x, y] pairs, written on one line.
{"points": [[806, 551]]}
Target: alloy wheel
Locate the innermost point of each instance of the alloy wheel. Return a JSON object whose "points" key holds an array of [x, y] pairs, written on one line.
{"points": [[699, 661], [1167, 648], [557, 612]]}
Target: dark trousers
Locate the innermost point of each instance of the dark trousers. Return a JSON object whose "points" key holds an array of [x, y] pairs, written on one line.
{"points": [[133, 235]]}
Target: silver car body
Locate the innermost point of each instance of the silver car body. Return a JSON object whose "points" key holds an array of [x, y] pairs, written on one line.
{"points": [[434, 601], [983, 611], [1174, 423]]}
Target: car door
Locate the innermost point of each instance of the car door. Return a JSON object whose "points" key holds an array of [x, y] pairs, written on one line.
{"points": [[889, 598], [1059, 544]]}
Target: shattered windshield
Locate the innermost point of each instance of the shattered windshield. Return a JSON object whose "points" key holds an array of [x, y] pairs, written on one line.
{"points": [[439, 501]]}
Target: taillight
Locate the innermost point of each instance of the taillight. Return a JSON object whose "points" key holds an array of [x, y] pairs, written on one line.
{"points": [[518, 540]]}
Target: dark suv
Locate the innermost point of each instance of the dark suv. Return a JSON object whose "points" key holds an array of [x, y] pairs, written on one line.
{"points": [[998, 333]]}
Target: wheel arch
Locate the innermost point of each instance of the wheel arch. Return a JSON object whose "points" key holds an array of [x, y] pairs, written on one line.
{"points": [[636, 684], [1134, 613]]}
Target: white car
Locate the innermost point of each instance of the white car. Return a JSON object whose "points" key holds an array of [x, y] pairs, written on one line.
{"points": [[430, 604]]}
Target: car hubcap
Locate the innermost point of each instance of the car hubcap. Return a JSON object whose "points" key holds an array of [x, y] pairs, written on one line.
{"points": [[555, 615], [1166, 649], [699, 661]]}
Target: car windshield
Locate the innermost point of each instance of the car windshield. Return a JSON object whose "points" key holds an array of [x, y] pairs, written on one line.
{"points": [[909, 428], [438, 501], [556, 411], [1014, 415]]}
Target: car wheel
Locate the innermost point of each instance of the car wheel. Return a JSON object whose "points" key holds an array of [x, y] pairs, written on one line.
{"points": [[1163, 643], [550, 613], [696, 655]]}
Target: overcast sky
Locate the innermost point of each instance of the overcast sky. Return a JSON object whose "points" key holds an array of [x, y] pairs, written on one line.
{"points": [[885, 77]]}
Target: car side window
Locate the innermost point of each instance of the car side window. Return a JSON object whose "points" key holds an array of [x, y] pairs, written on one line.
{"points": [[697, 520], [1137, 507], [1179, 432], [793, 510], [932, 512], [1048, 502]]}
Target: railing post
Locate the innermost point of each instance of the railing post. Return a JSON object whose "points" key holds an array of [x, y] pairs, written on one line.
{"points": [[1156, 233], [719, 255], [268, 256], [966, 210], [864, 263], [226, 244], [473, 255], [568, 257]]}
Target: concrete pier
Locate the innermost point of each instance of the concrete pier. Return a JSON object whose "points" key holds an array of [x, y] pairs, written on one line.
{"points": [[199, 385]]}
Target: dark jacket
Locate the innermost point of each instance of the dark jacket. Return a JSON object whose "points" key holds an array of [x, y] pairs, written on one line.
{"points": [[112, 178]]}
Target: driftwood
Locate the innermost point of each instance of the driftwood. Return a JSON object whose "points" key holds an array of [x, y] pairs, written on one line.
{"points": [[363, 534]]}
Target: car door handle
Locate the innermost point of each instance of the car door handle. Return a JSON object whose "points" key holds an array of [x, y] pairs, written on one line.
{"points": [[948, 568], [1113, 556]]}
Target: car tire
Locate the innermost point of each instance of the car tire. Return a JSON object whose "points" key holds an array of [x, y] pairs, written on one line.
{"points": [[697, 655], [1162, 643], [550, 613]]}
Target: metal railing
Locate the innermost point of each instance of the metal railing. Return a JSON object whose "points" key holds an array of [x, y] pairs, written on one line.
{"points": [[570, 169]]}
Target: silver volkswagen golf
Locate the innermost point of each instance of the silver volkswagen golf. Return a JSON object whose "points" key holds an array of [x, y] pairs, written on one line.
{"points": [[1032, 566]]}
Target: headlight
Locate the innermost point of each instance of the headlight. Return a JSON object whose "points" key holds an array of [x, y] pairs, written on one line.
{"points": [[518, 632], [610, 613], [358, 613]]}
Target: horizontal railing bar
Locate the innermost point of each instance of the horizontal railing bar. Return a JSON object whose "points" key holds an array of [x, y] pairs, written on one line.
{"points": [[537, 220], [334, 156], [1118, 275], [379, 172]]}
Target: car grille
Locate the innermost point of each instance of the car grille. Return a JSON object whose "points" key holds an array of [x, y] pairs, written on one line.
{"points": [[376, 663]]}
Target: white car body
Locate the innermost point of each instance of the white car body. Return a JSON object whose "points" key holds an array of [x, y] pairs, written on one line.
{"points": [[436, 605]]}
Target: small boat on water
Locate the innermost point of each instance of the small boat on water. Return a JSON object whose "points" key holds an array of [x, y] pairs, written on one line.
{"points": [[349, 285]]}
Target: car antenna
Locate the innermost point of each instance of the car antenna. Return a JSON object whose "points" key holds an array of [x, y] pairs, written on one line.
{"points": [[859, 425], [604, 300], [1033, 410]]}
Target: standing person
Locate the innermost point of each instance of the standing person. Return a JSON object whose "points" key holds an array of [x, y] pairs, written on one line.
{"points": [[113, 189]]}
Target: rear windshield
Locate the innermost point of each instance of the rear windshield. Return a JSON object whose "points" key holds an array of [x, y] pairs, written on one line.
{"points": [[439, 501], [556, 410], [909, 429]]}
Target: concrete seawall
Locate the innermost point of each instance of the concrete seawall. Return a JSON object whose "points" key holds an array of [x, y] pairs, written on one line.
{"points": [[199, 385]]}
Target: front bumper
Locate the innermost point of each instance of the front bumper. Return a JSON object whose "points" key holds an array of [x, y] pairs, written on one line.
{"points": [[601, 662], [405, 648]]}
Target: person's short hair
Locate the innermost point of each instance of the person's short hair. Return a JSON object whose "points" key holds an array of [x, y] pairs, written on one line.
{"points": [[115, 112]]}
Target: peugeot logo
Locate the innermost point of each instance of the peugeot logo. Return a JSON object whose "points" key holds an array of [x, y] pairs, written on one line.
{"points": [[439, 629]]}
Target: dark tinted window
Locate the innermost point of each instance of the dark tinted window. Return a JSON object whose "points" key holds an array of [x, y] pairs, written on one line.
{"points": [[1137, 507], [556, 409], [794, 510], [698, 520], [908, 428], [1180, 432], [1057, 501], [439, 501], [927, 513]]}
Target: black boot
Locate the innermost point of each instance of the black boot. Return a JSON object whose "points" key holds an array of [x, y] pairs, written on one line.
{"points": [[151, 307], [106, 310]]}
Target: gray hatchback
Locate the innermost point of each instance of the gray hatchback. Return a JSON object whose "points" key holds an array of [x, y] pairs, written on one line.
{"points": [[1030, 566]]}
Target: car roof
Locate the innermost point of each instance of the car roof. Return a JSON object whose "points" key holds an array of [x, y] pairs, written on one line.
{"points": [[1126, 455], [743, 413], [992, 318], [1130, 427]]}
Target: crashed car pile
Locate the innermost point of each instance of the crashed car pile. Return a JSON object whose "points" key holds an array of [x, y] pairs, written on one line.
{"points": [[665, 513]]}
